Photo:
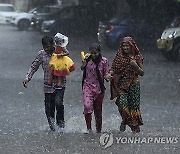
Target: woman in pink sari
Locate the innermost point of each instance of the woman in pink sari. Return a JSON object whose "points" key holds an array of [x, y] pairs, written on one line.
{"points": [[95, 69]]}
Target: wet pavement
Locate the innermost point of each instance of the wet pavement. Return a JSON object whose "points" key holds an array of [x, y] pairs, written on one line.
{"points": [[23, 125]]}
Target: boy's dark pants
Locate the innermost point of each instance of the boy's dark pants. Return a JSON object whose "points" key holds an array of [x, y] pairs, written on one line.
{"points": [[55, 101]]}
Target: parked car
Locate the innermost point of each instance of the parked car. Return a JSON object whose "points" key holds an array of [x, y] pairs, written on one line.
{"points": [[72, 20], [112, 31], [23, 20], [7, 11], [43, 13], [169, 43]]}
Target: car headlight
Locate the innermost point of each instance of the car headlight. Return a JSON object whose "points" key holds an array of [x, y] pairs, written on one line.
{"points": [[172, 34]]}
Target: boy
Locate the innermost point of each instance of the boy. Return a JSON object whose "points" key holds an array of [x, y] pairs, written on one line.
{"points": [[53, 97]]}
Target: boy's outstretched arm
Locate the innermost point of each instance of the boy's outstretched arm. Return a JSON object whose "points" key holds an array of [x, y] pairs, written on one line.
{"points": [[33, 68]]}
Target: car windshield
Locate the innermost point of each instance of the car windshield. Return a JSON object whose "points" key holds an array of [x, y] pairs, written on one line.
{"points": [[33, 10], [7, 9], [118, 21], [175, 23]]}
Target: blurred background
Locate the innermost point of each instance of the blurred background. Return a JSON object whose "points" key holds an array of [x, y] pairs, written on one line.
{"points": [[107, 21]]}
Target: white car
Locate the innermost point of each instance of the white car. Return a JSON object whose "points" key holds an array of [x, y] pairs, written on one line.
{"points": [[7, 12], [23, 20], [169, 43]]}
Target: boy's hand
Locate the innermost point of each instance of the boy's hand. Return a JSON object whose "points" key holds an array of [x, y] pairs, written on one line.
{"points": [[25, 82]]}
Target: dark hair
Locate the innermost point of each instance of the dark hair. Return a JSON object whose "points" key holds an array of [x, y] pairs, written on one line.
{"points": [[95, 46], [96, 61], [46, 40]]}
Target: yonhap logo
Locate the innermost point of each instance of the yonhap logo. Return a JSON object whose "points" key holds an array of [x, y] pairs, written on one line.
{"points": [[106, 140]]}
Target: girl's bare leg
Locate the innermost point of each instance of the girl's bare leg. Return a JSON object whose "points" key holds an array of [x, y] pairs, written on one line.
{"points": [[59, 81]]}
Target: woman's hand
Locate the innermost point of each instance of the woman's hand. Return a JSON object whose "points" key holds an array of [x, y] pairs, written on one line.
{"points": [[87, 55], [108, 77], [84, 62], [139, 69], [133, 63]]}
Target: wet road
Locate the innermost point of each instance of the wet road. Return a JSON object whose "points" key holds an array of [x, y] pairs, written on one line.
{"points": [[23, 125]]}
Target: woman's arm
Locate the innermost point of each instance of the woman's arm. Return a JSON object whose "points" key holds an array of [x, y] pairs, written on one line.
{"points": [[85, 61], [107, 72], [83, 64], [138, 68]]}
